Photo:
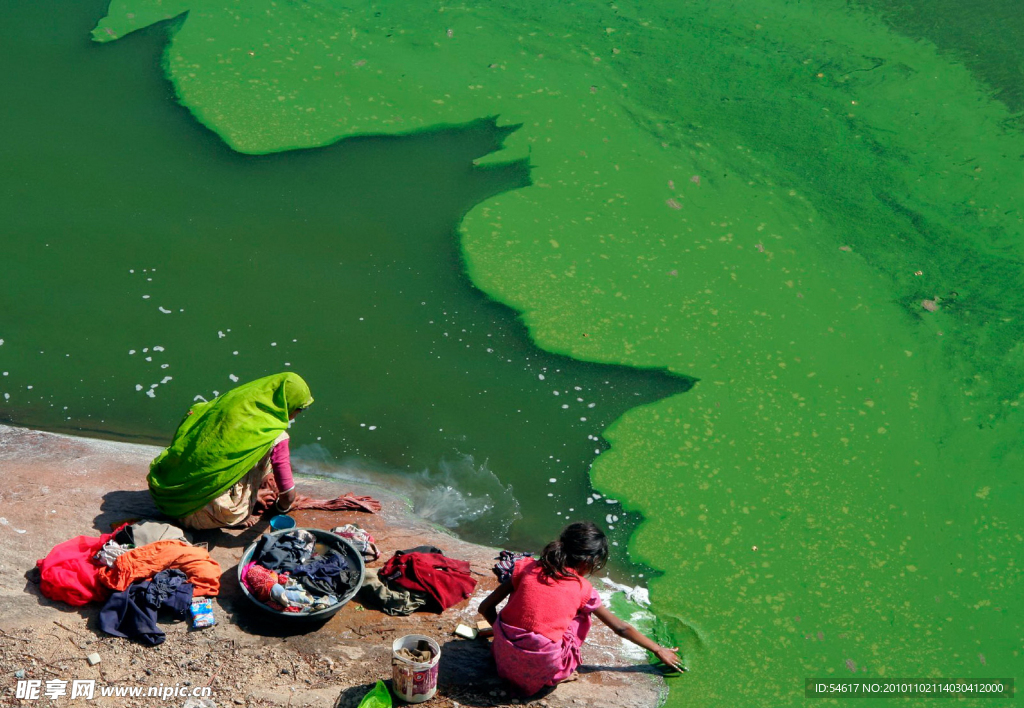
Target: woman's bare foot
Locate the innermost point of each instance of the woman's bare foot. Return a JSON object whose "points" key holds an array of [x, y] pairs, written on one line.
{"points": [[248, 523], [571, 677]]}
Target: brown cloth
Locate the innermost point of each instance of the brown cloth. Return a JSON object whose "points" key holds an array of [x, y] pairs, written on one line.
{"points": [[268, 494]]}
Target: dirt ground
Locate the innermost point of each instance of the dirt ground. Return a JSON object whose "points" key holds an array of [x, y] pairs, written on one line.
{"points": [[56, 487]]}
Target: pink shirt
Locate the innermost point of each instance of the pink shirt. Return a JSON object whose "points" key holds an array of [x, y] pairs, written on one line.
{"points": [[545, 605], [281, 461]]}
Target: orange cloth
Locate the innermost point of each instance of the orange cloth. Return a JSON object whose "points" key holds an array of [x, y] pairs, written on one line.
{"points": [[144, 562]]}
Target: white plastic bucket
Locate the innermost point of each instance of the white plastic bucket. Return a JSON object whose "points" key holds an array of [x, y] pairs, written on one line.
{"points": [[414, 682]]}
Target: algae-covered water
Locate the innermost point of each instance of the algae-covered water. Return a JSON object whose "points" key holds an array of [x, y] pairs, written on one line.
{"points": [[813, 208]]}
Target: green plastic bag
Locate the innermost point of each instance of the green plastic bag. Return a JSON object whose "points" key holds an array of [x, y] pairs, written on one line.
{"points": [[378, 697]]}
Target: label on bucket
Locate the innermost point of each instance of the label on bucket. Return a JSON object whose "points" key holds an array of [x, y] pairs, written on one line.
{"points": [[414, 685]]}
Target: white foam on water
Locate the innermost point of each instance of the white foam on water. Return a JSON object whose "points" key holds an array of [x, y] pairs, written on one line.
{"points": [[151, 393], [540, 376], [166, 312], [199, 398], [138, 387], [164, 366], [220, 334], [166, 379], [638, 594], [7, 396], [158, 349], [145, 297], [130, 352], [552, 480], [458, 493], [372, 427], [233, 377]]}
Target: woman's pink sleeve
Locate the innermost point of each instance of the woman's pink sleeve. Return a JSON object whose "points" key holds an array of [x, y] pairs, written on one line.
{"points": [[281, 461]]}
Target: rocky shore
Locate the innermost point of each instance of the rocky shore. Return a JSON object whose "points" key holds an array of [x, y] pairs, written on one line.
{"points": [[55, 487]]}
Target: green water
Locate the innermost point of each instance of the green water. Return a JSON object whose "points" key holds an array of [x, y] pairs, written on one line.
{"points": [[814, 208], [346, 258]]}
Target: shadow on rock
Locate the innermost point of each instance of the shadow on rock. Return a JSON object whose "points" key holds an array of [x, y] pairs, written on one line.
{"points": [[466, 673], [119, 506]]}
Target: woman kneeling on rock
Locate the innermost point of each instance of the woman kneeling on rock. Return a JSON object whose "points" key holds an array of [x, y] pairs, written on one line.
{"points": [[537, 637], [223, 449]]}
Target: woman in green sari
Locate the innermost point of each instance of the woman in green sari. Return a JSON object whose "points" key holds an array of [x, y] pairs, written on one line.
{"points": [[222, 451]]}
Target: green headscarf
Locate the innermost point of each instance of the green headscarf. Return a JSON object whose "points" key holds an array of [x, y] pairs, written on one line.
{"points": [[219, 441]]}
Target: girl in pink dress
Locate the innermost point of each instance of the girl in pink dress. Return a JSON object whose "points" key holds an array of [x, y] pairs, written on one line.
{"points": [[538, 635]]}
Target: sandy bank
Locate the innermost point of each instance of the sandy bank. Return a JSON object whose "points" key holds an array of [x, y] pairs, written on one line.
{"points": [[56, 487]]}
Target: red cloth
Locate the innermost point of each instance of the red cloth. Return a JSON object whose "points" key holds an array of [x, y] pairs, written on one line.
{"points": [[260, 581], [445, 579], [70, 574], [544, 605]]}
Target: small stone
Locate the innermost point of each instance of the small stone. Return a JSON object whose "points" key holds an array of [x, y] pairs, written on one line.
{"points": [[93, 659], [20, 673]]}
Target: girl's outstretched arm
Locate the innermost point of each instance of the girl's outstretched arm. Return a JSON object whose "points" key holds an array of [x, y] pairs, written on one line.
{"points": [[489, 607], [627, 631]]}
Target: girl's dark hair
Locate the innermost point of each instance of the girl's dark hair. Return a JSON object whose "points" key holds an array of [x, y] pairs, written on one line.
{"points": [[581, 546]]}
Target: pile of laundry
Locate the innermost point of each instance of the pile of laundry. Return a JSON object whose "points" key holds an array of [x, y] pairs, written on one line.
{"points": [[138, 570], [296, 572], [421, 578]]}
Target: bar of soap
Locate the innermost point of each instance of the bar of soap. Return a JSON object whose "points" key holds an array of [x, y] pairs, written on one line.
{"points": [[93, 659], [465, 632], [481, 625]]}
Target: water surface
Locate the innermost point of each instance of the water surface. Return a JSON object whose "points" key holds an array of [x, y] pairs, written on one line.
{"points": [[814, 208]]}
